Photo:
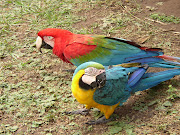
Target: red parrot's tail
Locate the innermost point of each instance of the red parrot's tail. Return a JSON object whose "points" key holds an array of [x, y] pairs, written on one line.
{"points": [[168, 57]]}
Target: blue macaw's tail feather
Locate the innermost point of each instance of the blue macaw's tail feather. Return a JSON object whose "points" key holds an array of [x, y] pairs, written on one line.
{"points": [[152, 79], [175, 58], [166, 64]]}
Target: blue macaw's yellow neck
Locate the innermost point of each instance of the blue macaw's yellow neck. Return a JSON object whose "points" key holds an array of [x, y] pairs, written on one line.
{"points": [[86, 96]]}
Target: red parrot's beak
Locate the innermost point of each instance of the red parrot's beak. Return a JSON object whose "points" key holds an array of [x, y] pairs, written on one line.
{"points": [[41, 44]]}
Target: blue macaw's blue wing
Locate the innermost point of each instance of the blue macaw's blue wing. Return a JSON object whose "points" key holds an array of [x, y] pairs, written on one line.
{"points": [[116, 88], [136, 76]]}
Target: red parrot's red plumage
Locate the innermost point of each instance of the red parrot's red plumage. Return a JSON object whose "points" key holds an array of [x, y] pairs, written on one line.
{"points": [[67, 42]]}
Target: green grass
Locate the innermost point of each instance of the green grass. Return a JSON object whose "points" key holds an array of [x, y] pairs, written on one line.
{"points": [[28, 101], [164, 18], [33, 89]]}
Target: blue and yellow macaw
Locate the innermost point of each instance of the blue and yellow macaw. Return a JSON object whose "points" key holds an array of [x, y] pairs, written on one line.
{"points": [[106, 88]]}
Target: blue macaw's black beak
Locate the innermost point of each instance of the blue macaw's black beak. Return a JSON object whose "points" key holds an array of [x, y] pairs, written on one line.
{"points": [[100, 81]]}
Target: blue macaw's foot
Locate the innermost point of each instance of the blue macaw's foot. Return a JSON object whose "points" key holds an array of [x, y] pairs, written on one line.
{"points": [[80, 111], [100, 120]]}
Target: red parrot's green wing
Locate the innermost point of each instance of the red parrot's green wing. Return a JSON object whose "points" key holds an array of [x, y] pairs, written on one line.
{"points": [[108, 51], [83, 48]]}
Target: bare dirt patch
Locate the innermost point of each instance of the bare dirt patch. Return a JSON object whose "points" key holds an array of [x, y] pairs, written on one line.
{"points": [[167, 7]]}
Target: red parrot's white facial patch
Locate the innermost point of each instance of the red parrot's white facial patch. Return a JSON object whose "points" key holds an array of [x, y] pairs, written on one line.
{"points": [[49, 40]]}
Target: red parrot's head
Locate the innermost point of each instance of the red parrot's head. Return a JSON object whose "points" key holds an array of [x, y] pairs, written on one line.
{"points": [[51, 37]]}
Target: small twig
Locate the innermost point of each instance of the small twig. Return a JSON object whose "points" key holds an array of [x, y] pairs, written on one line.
{"points": [[176, 33], [135, 16], [175, 41], [156, 21], [168, 30]]}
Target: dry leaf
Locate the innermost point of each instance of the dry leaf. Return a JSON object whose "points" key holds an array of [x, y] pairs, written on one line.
{"points": [[143, 39]]}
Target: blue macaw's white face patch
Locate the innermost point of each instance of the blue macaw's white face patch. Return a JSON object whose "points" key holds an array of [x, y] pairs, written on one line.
{"points": [[94, 76]]}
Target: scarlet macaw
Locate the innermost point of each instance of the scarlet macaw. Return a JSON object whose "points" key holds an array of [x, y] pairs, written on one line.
{"points": [[78, 48], [94, 86]]}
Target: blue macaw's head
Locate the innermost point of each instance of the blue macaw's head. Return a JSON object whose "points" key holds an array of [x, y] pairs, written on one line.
{"points": [[94, 75], [88, 64]]}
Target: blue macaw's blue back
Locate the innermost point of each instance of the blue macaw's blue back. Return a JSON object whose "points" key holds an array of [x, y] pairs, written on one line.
{"points": [[116, 88]]}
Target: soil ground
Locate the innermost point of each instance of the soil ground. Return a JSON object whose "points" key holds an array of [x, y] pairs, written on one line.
{"points": [[167, 7], [154, 111]]}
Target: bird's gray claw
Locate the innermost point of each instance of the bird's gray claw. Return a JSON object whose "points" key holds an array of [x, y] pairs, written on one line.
{"points": [[100, 120], [91, 122]]}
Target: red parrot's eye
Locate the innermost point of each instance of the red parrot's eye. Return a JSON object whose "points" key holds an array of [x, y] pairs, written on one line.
{"points": [[49, 37]]}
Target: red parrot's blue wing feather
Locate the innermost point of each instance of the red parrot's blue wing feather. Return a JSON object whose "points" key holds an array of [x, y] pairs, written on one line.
{"points": [[110, 51]]}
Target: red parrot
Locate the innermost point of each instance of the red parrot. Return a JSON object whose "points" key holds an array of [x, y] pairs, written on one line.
{"points": [[78, 48]]}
